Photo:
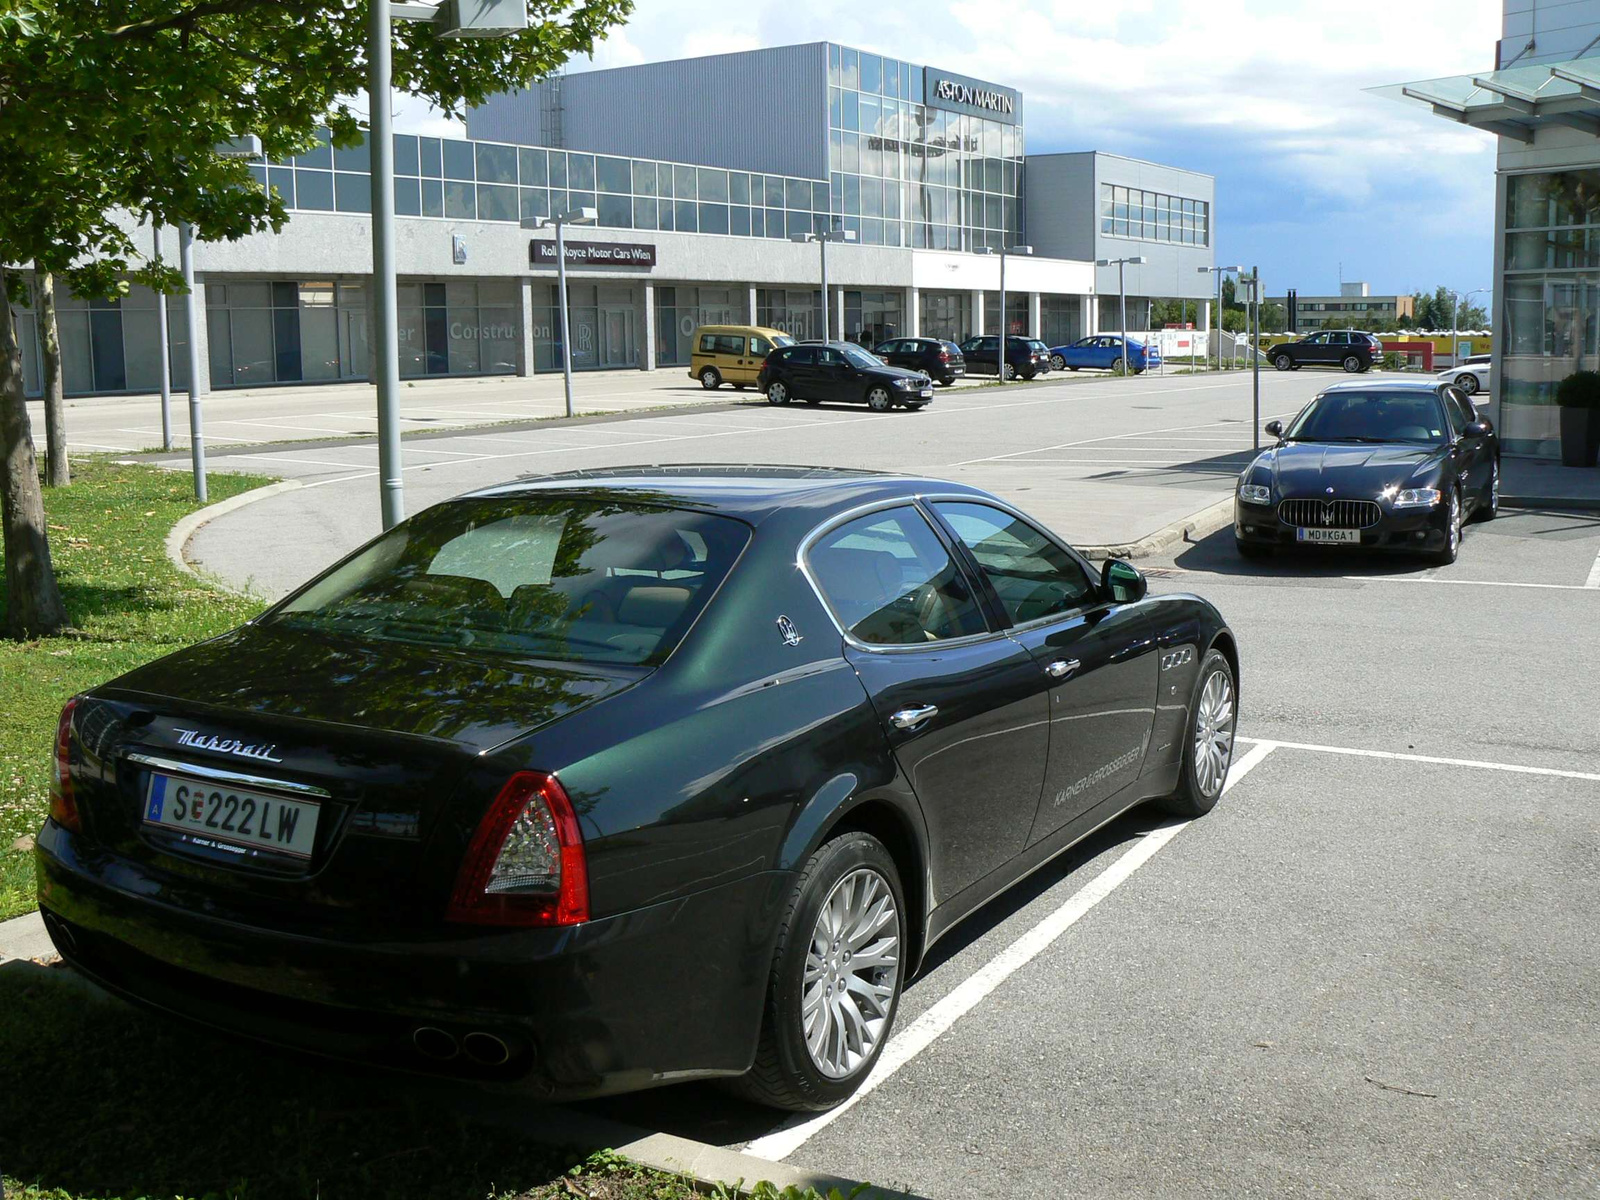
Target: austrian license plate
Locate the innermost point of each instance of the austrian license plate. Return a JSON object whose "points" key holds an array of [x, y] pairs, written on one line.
{"points": [[1338, 537], [248, 823], [927, 391]]}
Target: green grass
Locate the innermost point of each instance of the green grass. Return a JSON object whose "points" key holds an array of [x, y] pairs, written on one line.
{"points": [[100, 1100], [129, 605]]}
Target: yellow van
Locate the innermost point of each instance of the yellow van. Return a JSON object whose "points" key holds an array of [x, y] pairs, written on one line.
{"points": [[732, 353]]}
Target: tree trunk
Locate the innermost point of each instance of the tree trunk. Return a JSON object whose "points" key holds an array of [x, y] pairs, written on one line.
{"points": [[33, 602], [58, 470]]}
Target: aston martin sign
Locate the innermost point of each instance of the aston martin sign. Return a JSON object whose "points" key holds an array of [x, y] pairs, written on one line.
{"points": [[957, 93]]}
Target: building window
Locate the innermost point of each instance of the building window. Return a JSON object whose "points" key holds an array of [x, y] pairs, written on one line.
{"points": [[1153, 216]]}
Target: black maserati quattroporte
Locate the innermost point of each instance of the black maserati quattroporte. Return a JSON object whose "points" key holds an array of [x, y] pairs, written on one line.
{"points": [[592, 782], [1400, 465]]}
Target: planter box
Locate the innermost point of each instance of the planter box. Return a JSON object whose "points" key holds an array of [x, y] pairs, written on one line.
{"points": [[1580, 436]]}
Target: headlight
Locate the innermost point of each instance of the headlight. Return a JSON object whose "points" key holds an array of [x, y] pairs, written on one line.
{"points": [[1255, 493], [905, 383], [1416, 498]]}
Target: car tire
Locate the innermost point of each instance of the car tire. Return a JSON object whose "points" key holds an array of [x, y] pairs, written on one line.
{"points": [[778, 392], [1283, 362], [1208, 739], [1467, 382], [1352, 364], [1488, 508], [951, 382], [710, 379], [1057, 363], [788, 1072], [879, 399], [1452, 541], [1011, 371], [1026, 375]]}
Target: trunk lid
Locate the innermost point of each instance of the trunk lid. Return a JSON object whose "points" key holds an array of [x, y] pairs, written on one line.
{"points": [[380, 739]]}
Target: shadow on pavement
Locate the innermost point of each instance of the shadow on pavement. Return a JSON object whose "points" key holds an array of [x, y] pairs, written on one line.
{"points": [[98, 1098], [1217, 555]]}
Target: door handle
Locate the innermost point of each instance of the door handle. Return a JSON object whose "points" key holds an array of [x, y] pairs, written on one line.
{"points": [[1063, 667], [910, 718]]}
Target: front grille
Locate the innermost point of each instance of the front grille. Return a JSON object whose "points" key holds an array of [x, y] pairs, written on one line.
{"points": [[1330, 514]]}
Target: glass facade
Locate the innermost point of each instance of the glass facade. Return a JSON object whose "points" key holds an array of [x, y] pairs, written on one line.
{"points": [[281, 331], [604, 320], [795, 311], [1153, 216], [1551, 317], [107, 345], [681, 310], [455, 179], [946, 315], [902, 173]]}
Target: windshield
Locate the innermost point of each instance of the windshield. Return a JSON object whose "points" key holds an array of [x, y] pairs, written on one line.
{"points": [[782, 339], [573, 580], [1370, 417], [858, 357]]}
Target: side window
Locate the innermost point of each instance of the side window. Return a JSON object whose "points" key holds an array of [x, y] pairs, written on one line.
{"points": [[828, 357], [1452, 411], [890, 582], [730, 344], [760, 347], [1320, 339], [1032, 575], [1339, 339], [708, 343]]}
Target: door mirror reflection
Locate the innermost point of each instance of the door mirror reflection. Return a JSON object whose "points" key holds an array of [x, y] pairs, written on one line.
{"points": [[1122, 583]]}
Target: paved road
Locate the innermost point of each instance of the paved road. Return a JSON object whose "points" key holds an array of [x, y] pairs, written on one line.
{"points": [[1102, 461]]}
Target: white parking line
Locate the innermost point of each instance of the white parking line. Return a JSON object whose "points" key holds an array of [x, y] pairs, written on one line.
{"points": [[1594, 574], [1513, 768], [921, 1033], [1594, 581]]}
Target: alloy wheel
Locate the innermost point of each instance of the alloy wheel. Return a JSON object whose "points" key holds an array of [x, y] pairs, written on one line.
{"points": [[1213, 733], [1352, 364], [1467, 382], [1494, 489], [1283, 362], [1057, 363], [851, 972], [1455, 523]]}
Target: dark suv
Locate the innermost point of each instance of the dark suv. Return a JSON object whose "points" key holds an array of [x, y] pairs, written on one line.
{"points": [[1023, 357], [937, 359], [818, 371], [1352, 349]]}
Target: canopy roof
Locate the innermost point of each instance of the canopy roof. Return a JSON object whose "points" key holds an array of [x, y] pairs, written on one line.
{"points": [[1516, 102]]}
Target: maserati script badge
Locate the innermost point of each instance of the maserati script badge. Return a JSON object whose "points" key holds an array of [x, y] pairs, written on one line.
{"points": [[210, 741], [791, 635]]}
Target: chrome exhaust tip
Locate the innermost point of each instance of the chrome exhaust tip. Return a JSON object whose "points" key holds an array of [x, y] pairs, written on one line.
{"points": [[434, 1043], [485, 1049]]}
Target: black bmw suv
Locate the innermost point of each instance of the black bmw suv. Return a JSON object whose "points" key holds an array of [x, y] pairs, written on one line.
{"points": [[1024, 356], [818, 371], [1353, 349], [938, 359]]}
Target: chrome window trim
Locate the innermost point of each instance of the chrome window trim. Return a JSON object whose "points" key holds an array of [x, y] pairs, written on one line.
{"points": [[844, 518], [1099, 601], [217, 775]]}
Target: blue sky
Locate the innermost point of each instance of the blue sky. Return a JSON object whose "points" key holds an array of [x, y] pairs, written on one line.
{"points": [[1314, 176]]}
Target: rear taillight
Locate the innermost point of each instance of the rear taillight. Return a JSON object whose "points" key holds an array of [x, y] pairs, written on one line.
{"points": [[63, 805], [944, 356], [526, 864]]}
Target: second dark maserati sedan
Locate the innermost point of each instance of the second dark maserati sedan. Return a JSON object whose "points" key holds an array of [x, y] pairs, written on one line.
{"points": [[1400, 465], [595, 782]]}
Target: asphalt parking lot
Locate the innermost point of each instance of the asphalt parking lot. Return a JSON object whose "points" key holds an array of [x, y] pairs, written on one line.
{"points": [[1370, 972]]}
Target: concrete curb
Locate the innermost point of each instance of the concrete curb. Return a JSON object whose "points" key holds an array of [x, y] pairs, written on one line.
{"points": [[187, 527], [1562, 503], [24, 937], [1197, 525]]}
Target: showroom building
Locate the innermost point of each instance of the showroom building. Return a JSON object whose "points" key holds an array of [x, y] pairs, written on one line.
{"points": [[1543, 101], [701, 173]]}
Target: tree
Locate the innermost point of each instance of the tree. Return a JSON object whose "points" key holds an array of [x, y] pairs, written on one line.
{"points": [[1433, 312], [58, 471], [109, 116]]}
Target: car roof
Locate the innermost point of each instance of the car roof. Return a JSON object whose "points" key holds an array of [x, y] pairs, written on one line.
{"points": [[761, 329], [751, 492], [1429, 385]]}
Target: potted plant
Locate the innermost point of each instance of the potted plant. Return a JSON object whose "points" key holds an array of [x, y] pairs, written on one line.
{"points": [[1579, 397]]}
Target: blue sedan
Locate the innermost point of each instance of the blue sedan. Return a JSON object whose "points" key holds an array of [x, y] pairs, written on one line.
{"points": [[1103, 351]]}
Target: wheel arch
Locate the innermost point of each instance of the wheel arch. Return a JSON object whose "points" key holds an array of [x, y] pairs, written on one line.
{"points": [[1223, 641]]}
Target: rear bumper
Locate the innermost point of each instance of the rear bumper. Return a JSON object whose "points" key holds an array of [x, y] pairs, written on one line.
{"points": [[663, 993], [1414, 530]]}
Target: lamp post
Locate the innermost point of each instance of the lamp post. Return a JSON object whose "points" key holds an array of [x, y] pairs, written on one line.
{"points": [[1122, 287], [559, 222], [164, 334], [1005, 326], [1253, 332], [452, 19], [1219, 272], [822, 239]]}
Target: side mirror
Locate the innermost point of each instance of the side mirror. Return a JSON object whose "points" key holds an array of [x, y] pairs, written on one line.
{"points": [[1273, 428], [1478, 429], [1121, 582]]}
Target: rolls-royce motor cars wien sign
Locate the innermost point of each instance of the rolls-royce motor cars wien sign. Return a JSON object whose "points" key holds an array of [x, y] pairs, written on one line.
{"points": [[542, 253]]}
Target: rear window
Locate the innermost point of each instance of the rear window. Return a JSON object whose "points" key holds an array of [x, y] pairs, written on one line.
{"points": [[546, 577]]}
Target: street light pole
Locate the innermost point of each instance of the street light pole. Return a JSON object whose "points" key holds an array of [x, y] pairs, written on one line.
{"points": [[1122, 288], [559, 222], [830, 235], [191, 311], [385, 289], [1216, 329], [1253, 334], [164, 334]]}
